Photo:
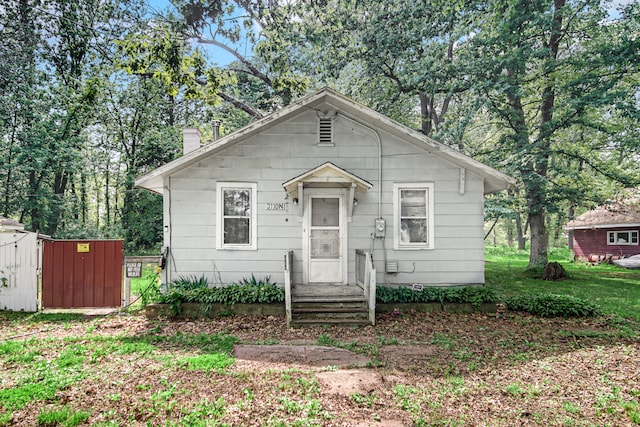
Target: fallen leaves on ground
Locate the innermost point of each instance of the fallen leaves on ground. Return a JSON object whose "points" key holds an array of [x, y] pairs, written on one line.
{"points": [[424, 369]]}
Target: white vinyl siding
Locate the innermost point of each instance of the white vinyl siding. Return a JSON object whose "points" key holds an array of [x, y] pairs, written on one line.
{"points": [[626, 237], [236, 209], [290, 149], [413, 211]]}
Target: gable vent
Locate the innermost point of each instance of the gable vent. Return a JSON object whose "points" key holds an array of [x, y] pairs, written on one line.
{"points": [[325, 132]]}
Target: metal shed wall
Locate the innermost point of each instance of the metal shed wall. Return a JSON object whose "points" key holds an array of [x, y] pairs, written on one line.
{"points": [[82, 273], [19, 271]]}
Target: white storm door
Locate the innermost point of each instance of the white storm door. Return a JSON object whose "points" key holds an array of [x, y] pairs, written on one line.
{"points": [[325, 237]]}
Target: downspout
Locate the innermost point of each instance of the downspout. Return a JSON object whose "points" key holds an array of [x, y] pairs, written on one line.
{"points": [[371, 299], [377, 135], [168, 255]]}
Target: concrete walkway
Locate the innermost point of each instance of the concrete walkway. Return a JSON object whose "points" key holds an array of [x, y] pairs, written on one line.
{"points": [[311, 355]]}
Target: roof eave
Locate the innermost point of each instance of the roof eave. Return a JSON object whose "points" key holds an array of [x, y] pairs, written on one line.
{"points": [[494, 180], [153, 181], [595, 226]]}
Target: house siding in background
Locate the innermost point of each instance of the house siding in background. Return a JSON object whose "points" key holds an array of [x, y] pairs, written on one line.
{"points": [[587, 243], [591, 232]]}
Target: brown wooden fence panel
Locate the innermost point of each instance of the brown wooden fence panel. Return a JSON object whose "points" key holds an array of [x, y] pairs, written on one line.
{"points": [[82, 273]]}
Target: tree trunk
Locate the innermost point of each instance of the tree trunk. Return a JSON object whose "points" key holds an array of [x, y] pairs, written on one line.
{"points": [[558, 229], [83, 198], [571, 215], [538, 255], [536, 180], [522, 242], [8, 179], [554, 271], [33, 211], [425, 114], [107, 199]]}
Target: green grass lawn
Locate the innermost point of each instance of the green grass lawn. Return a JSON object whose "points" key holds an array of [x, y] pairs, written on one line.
{"points": [[616, 290], [66, 369]]}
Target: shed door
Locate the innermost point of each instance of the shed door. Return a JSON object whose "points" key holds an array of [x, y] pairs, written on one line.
{"points": [[325, 237]]}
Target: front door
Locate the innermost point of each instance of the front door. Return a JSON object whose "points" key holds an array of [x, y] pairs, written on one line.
{"points": [[325, 236]]}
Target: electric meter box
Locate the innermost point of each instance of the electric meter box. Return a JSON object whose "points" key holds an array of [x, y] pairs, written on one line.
{"points": [[381, 227]]}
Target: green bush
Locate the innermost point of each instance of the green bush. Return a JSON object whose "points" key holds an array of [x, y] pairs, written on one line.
{"points": [[551, 305], [254, 282], [264, 293], [475, 295], [189, 282]]}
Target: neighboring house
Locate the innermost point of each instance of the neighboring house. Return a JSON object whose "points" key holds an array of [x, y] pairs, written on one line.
{"points": [[347, 194], [605, 233]]}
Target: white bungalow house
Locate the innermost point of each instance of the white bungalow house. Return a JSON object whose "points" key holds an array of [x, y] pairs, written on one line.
{"points": [[327, 197]]}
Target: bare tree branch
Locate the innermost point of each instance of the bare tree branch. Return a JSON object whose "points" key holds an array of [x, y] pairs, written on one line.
{"points": [[240, 105], [250, 67]]}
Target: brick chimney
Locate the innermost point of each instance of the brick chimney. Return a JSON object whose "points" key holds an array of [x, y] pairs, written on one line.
{"points": [[190, 140]]}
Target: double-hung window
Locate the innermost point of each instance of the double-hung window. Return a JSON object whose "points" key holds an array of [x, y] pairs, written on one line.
{"points": [[413, 210], [236, 225], [626, 237]]}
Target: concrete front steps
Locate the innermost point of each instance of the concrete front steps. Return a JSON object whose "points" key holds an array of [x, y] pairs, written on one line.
{"points": [[328, 304]]}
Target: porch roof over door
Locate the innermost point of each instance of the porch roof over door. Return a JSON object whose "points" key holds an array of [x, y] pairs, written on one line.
{"points": [[325, 175]]}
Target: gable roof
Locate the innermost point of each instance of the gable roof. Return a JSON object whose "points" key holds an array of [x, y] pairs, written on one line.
{"points": [[602, 217], [493, 180], [327, 173]]}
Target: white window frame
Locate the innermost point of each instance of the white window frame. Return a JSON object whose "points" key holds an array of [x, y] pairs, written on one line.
{"points": [[428, 187], [253, 222], [615, 242]]}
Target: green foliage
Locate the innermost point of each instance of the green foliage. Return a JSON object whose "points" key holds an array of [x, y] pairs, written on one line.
{"points": [[551, 305], [143, 213], [615, 290], [131, 346], [203, 342], [5, 419], [186, 283], [255, 282], [218, 362], [151, 291], [17, 397], [255, 292], [325, 340], [475, 295], [65, 417], [71, 356], [204, 414], [11, 347]]}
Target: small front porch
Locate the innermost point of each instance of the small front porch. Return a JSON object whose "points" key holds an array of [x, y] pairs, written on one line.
{"points": [[330, 303]]}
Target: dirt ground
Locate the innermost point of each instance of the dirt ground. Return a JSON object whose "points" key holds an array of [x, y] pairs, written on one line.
{"points": [[409, 369]]}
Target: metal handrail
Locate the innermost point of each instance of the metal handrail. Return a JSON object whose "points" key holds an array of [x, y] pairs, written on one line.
{"points": [[288, 281]]}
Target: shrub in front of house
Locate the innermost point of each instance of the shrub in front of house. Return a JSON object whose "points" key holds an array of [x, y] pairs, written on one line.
{"points": [[551, 305], [196, 290], [475, 295]]}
